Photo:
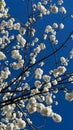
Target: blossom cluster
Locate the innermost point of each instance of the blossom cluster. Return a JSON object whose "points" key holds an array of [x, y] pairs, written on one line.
{"points": [[29, 78]]}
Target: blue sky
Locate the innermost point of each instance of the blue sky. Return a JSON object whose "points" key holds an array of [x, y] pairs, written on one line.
{"points": [[18, 8]]}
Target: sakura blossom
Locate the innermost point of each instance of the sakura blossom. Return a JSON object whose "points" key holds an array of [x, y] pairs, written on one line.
{"points": [[34, 63]]}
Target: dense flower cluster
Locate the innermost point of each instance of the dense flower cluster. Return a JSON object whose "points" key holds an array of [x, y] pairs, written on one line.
{"points": [[25, 85]]}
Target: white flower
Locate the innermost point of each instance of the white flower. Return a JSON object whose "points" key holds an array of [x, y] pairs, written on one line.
{"points": [[71, 54], [61, 26], [2, 56], [29, 121], [64, 61], [61, 69], [7, 71], [60, 2], [15, 66], [49, 99], [48, 29], [40, 107], [55, 25], [69, 96], [33, 60], [36, 39], [22, 31], [45, 89], [71, 36], [38, 76], [54, 9], [55, 73], [21, 40], [19, 37], [46, 111], [37, 84], [21, 63], [31, 109], [46, 78], [41, 98], [54, 82], [48, 85], [32, 100], [71, 15], [10, 23], [71, 79], [55, 42], [16, 54], [56, 117], [62, 10], [38, 73], [21, 123], [37, 49], [41, 64], [52, 37], [42, 9], [42, 46], [16, 26], [45, 36]]}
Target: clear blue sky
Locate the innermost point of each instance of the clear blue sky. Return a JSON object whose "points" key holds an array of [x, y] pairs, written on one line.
{"points": [[18, 9]]}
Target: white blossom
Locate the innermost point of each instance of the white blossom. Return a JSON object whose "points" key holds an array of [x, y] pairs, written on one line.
{"points": [[46, 78], [16, 54], [52, 37], [22, 31], [64, 61], [38, 73], [71, 36], [60, 2], [61, 26], [62, 10], [46, 111], [2, 56], [41, 8], [37, 84], [71, 79], [54, 9], [48, 85], [31, 67], [49, 99], [31, 109], [39, 107], [48, 29], [55, 25], [54, 82], [57, 117], [69, 96], [21, 40], [71, 54], [61, 69]]}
